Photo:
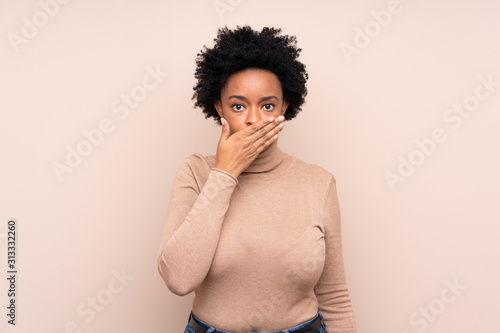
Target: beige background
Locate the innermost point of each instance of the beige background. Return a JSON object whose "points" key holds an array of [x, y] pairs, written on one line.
{"points": [[404, 245]]}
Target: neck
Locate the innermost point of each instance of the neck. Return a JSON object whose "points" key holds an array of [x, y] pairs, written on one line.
{"points": [[267, 160]]}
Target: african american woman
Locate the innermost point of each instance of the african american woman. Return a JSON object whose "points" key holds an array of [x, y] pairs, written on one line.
{"points": [[253, 231]]}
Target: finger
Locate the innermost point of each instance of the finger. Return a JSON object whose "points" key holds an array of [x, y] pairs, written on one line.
{"points": [[262, 128], [270, 130], [270, 136]]}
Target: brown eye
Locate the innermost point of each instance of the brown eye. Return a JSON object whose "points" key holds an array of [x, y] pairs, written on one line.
{"points": [[237, 107], [269, 107]]}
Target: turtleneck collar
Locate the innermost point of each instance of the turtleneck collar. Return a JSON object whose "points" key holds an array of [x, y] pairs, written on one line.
{"points": [[267, 159]]}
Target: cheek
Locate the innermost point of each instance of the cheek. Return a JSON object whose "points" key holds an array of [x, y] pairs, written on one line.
{"points": [[236, 128], [236, 124]]}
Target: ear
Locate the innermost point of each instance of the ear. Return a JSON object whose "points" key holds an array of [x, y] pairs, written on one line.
{"points": [[284, 107], [218, 107]]}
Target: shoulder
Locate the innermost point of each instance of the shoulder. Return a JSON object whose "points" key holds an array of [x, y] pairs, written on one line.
{"points": [[198, 162], [313, 172], [195, 169], [317, 185]]}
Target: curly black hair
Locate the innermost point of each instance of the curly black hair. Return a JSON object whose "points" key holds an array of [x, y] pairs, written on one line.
{"points": [[243, 48]]}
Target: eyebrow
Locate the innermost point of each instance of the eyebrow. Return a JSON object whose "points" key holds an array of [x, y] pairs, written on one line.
{"points": [[244, 98]]}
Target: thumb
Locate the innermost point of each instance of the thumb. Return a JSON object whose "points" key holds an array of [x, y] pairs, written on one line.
{"points": [[225, 129]]}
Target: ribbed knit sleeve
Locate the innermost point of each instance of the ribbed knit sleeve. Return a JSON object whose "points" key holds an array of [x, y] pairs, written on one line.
{"points": [[193, 226], [331, 289]]}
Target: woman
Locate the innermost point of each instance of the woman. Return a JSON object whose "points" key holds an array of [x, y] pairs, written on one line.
{"points": [[252, 230]]}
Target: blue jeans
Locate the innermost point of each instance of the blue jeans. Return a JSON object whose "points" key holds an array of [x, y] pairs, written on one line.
{"points": [[212, 329]]}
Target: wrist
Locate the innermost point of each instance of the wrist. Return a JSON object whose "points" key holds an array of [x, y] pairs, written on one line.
{"points": [[228, 170]]}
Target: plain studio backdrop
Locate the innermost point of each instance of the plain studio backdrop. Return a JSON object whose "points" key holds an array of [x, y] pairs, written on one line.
{"points": [[403, 108]]}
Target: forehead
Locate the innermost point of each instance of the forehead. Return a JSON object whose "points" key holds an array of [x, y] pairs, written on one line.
{"points": [[253, 82]]}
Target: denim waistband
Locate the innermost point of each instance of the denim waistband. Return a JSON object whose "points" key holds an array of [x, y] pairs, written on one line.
{"points": [[286, 330]]}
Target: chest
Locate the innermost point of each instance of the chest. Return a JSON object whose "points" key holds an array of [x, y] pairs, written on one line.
{"points": [[271, 231]]}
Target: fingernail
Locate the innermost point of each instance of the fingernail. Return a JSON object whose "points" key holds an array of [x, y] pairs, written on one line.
{"points": [[271, 119]]}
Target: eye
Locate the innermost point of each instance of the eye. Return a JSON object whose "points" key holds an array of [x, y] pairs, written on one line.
{"points": [[269, 107], [237, 107]]}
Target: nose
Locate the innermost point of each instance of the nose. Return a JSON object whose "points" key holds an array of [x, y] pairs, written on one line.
{"points": [[253, 115]]}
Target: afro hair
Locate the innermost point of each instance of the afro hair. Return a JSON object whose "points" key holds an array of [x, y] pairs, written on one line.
{"points": [[243, 48]]}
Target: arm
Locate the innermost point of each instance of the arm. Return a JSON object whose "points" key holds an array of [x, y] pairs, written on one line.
{"points": [[331, 290], [192, 230]]}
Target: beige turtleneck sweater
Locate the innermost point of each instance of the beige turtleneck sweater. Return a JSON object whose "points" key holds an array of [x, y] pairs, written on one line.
{"points": [[263, 251]]}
